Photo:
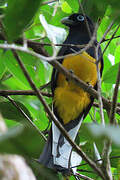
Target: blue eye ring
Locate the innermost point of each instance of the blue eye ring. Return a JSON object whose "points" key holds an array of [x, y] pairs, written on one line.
{"points": [[80, 18]]}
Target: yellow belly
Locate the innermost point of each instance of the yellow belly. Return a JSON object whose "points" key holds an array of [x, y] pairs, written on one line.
{"points": [[69, 99]]}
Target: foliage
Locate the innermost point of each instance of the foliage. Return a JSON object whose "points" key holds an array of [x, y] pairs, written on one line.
{"points": [[22, 19]]}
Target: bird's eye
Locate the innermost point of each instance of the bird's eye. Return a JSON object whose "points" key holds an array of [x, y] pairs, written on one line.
{"points": [[80, 18]]}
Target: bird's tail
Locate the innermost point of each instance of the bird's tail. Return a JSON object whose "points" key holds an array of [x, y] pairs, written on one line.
{"points": [[46, 157], [57, 151], [50, 152]]}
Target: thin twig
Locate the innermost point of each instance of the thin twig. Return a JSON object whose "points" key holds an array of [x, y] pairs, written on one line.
{"points": [[113, 157], [81, 176], [48, 59], [117, 108], [111, 39], [45, 85], [103, 37], [55, 8], [98, 73], [87, 171], [99, 87], [87, 25], [49, 2], [33, 44], [64, 45], [107, 144], [104, 40], [114, 99]]}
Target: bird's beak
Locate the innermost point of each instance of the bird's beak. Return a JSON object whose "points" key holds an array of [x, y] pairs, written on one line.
{"points": [[66, 21]]}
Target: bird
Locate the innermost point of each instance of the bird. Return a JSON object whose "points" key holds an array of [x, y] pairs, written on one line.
{"points": [[71, 104]]}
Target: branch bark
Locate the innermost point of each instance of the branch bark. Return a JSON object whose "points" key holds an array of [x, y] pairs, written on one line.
{"points": [[114, 99], [22, 92]]}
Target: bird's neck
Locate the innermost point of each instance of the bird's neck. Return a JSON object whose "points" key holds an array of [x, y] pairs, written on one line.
{"points": [[76, 36]]}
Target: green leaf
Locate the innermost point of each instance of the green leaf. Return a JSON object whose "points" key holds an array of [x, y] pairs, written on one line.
{"points": [[97, 9], [28, 59], [94, 8], [43, 72], [38, 113], [106, 20], [18, 15], [2, 68], [30, 64], [14, 84], [2, 6], [55, 20], [117, 54], [115, 153], [111, 74], [9, 111], [14, 68], [74, 5], [66, 8]]}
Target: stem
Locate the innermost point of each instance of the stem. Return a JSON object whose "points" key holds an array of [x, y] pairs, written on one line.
{"points": [[114, 99]]}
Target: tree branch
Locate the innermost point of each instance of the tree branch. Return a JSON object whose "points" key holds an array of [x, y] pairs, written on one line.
{"points": [[114, 99], [22, 92]]}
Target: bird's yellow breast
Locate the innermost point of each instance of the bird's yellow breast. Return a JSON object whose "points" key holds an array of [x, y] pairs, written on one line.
{"points": [[69, 99]]}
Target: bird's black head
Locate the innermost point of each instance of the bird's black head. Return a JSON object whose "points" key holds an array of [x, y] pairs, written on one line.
{"points": [[78, 20]]}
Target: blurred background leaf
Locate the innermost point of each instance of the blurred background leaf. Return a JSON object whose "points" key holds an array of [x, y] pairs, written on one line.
{"points": [[22, 140], [17, 19]]}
